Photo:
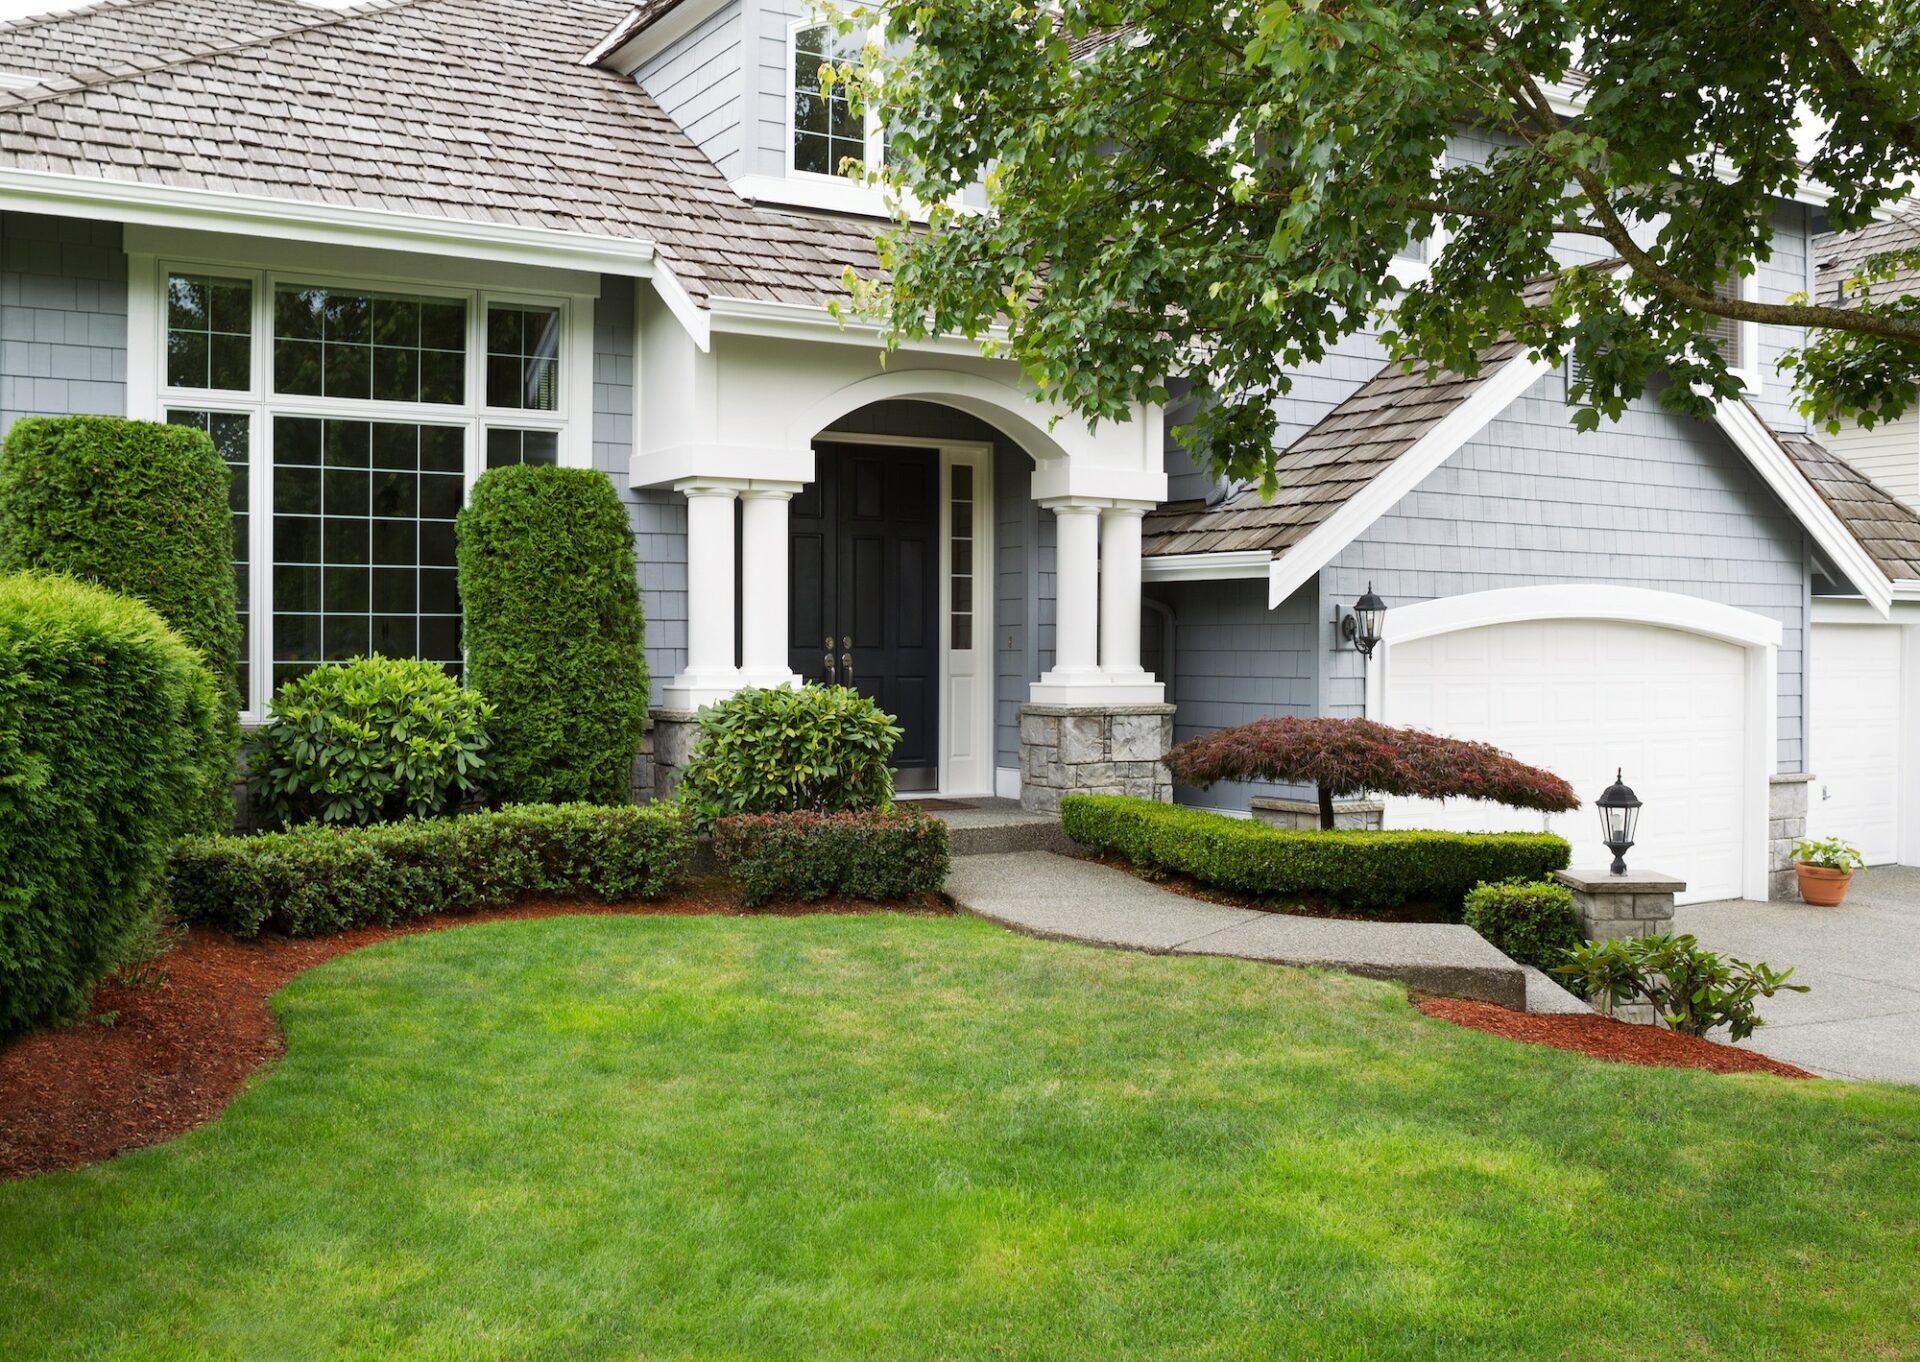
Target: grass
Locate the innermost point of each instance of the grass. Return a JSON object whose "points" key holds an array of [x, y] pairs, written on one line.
{"points": [[891, 1137]]}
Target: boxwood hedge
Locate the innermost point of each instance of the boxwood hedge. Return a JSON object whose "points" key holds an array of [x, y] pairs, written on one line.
{"points": [[1354, 869], [317, 879], [140, 508], [104, 712], [898, 853], [554, 633]]}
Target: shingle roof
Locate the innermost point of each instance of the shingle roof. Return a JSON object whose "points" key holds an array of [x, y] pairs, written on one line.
{"points": [[1351, 446], [1838, 255], [60, 48], [466, 109], [638, 20], [1887, 528]]}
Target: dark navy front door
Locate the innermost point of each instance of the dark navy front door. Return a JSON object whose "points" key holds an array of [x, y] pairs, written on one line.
{"points": [[865, 564]]}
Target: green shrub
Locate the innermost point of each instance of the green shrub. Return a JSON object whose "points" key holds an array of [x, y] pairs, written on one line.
{"points": [[104, 716], [897, 853], [369, 741], [1532, 923], [1361, 870], [815, 749], [140, 508], [554, 634], [318, 879], [1694, 991]]}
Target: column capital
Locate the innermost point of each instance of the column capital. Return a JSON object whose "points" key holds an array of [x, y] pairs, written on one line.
{"points": [[709, 487], [1072, 505], [771, 491], [1104, 505]]}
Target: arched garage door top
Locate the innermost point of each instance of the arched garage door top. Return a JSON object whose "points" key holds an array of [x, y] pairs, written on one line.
{"points": [[1627, 604]]}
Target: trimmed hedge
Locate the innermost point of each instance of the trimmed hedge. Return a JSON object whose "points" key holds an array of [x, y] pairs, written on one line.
{"points": [[1533, 924], [1355, 869], [896, 854], [318, 879], [554, 633], [140, 508], [104, 716], [372, 740]]}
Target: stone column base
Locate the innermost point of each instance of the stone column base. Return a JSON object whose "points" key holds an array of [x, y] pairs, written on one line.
{"points": [[1616, 907], [1786, 824], [1093, 749], [674, 731], [1304, 814]]}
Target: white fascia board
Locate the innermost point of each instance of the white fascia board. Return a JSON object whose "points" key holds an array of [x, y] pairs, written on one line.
{"points": [[1754, 438], [652, 40], [153, 205], [801, 321], [697, 320], [1206, 567], [1498, 391]]}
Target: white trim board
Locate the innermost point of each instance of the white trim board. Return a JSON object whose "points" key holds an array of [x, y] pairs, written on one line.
{"points": [[1206, 567]]}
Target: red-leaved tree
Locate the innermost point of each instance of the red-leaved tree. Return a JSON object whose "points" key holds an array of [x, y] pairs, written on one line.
{"points": [[1354, 756]]}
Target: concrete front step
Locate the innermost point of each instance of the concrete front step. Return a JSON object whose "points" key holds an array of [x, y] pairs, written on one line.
{"points": [[1072, 900], [992, 827]]}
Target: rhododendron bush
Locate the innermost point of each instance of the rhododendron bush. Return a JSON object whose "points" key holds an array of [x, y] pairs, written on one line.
{"points": [[1356, 756]]}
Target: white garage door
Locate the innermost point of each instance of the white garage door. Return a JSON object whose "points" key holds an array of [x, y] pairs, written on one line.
{"points": [[1854, 686], [1582, 698]]}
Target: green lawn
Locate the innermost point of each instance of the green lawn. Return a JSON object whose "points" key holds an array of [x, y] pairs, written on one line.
{"points": [[890, 1137]]}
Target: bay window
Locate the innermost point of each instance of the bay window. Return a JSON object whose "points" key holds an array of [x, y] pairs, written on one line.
{"points": [[354, 420]]}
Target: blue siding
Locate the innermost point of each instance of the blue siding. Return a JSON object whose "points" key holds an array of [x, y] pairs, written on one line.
{"points": [[698, 82], [63, 318]]}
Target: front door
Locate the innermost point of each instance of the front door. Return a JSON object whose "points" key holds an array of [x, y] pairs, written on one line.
{"points": [[865, 582]]}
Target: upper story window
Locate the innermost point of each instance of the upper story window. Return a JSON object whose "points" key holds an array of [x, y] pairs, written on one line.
{"points": [[826, 130], [1736, 341]]}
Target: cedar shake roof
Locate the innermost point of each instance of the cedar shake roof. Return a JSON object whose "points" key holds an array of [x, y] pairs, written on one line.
{"points": [[1351, 446], [1838, 256], [638, 20], [465, 109], [1887, 528]]}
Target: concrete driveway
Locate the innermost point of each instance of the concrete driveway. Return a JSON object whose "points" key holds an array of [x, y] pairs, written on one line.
{"points": [[1862, 1019]]}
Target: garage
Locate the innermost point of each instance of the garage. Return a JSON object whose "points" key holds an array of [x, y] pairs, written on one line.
{"points": [[1581, 697], [1855, 738]]}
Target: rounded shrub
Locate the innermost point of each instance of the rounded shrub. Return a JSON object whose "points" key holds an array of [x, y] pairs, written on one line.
{"points": [[1532, 923], [104, 716], [814, 749], [554, 634], [370, 741], [140, 508]]}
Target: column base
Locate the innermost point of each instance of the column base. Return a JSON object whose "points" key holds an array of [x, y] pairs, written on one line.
{"points": [[1786, 825], [768, 678], [694, 688], [1107, 748], [1617, 907], [673, 735], [1096, 689]]}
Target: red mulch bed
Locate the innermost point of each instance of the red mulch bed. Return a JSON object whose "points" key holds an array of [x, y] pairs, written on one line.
{"points": [[1604, 1038], [162, 1054]]}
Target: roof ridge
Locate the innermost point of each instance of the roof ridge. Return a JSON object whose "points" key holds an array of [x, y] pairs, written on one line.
{"points": [[54, 16], [59, 87]]}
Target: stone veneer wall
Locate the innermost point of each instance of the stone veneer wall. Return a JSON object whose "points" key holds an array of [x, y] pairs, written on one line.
{"points": [[671, 744], [1786, 824], [1093, 749], [1297, 814]]}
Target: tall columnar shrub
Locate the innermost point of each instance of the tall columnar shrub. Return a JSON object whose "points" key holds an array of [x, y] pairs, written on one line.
{"points": [[141, 508], [104, 717], [554, 633]]}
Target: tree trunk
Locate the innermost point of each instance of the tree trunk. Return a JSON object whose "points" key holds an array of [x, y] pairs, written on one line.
{"points": [[1326, 807]]}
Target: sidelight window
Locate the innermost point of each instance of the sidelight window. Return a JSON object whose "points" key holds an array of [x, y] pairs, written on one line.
{"points": [[960, 603]]}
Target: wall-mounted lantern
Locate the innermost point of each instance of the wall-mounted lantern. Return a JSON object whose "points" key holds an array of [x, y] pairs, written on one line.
{"points": [[1619, 815], [1361, 626]]}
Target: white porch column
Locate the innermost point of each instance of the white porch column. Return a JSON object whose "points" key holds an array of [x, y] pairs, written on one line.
{"points": [[710, 672], [763, 570], [1120, 595], [1076, 661]]}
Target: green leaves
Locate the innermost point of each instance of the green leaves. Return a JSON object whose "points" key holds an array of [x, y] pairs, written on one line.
{"points": [[1218, 193], [369, 741], [819, 749], [1694, 991]]}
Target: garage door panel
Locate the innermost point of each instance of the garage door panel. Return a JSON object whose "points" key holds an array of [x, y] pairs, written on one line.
{"points": [[1854, 688], [1583, 699]]}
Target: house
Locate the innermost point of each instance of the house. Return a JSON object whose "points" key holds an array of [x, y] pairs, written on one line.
{"points": [[1890, 452], [376, 250]]}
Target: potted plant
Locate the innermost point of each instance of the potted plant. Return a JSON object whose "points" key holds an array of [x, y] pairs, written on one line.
{"points": [[1825, 866]]}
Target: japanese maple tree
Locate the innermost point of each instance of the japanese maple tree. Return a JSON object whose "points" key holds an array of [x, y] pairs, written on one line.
{"points": [[1357, 756]]}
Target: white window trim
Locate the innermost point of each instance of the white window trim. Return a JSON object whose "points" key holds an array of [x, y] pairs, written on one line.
{"points": [[1748, 370], [875, 130], [149, 396], [1411, 270]]}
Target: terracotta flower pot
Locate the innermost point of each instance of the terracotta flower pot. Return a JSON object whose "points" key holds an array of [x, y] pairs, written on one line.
{"points": [[1820, 886]]}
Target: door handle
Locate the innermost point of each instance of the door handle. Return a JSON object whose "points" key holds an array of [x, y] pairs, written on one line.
{"points": [[828, 660], [846, 665]]}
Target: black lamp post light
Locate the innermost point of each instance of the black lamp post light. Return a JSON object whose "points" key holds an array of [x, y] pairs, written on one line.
{"points": [[1619, 814], [1361, 627]]}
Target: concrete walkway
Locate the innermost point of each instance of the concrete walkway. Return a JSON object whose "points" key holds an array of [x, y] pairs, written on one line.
{"points": [[1862, 960], [1064, 899]]}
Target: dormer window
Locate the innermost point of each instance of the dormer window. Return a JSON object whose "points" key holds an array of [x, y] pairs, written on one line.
{"points": [[826, 130]]}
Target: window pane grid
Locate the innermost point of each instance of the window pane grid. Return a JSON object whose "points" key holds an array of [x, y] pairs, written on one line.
{"points": [[507, 447], [369, 346], [960, 604], [827, 130], [523, 358], [230, 434], [364, 541], [209, 333]]}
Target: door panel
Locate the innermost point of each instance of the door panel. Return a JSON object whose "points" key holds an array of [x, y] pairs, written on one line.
{"points": [[1854, 687], [863, 575]]}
